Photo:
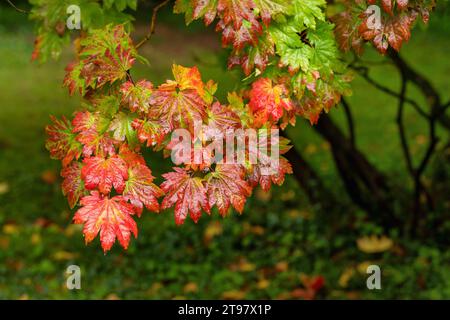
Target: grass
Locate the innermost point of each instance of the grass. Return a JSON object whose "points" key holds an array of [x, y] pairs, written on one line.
{"points": [[260, 254]]}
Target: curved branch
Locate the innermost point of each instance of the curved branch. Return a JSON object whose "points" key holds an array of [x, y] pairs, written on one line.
{"points": [[152, 24], [401, 127], [16, 8], [363, 71]]}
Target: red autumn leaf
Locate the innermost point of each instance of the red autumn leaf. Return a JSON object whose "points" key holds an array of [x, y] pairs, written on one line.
{"points": [[268, 101], [106, 56], [394, 31], [221, 118], [72, 185], [136, 96], [402, 4], [235, 11], [140, 189], [91, 134], [206, 9], [130, 157], [270, 170], [186, 192], [388, 6], [179, 103], [61, 141], [111, 217], [150, 132], [104, 173], [346, 32], [226, 186]]}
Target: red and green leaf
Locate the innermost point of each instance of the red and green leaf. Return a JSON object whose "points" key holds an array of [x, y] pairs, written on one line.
{"points": [[72, 185], [140, 189], [187, 193], [61, 141], [227, 187]]}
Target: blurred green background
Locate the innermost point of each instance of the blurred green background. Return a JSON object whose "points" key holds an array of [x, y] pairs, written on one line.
{"points": [[270, 251]]}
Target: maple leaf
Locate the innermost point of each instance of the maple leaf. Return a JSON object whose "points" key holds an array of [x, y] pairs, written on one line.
{"points": [[226, 186], [254, 56], [186, 192], [106, 56], [150, 132], [140, 189], [112, 217], [105, 173], [130, 157], [268, 101], [222, 118], [269, 8], [346, 32], [206, 9], [270, 170], [93, 134], [236, 11], [72, 185], [122, 127], [393, 32], [265, 180], [61, 141], [179, 103], [136, 96]]}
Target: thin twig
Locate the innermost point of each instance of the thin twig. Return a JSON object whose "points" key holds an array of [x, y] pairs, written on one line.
{"points": [[401, 127], [152, 24], [363, 71], [14, 6]]}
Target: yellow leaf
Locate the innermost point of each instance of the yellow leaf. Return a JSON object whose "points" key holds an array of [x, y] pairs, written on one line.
{"points": [[213, 229], [362, 267], [262, 195], [64, 255], [289, 195], [282, 266], [233, 295], [112, 296], [73, 229], [374, 244], [190, 287], [263, 284], [4, 187], [35, 238], [242, 265], [10, 228], [346, 276]]}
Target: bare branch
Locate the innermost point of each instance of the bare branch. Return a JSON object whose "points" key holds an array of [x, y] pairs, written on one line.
{"points": [[152, 24], [16, 8], [363, 71]]}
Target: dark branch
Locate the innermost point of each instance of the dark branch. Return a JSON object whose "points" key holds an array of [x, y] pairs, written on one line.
{"points": [[350, 122], [363, 71], [152, 24], [16, 8], [401, 127]]}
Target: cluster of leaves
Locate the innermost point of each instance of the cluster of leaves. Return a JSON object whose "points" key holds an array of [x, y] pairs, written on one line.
{"points": [[100, 149], [286, 49], [289, 42], [51, 17], [358, 23]]}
